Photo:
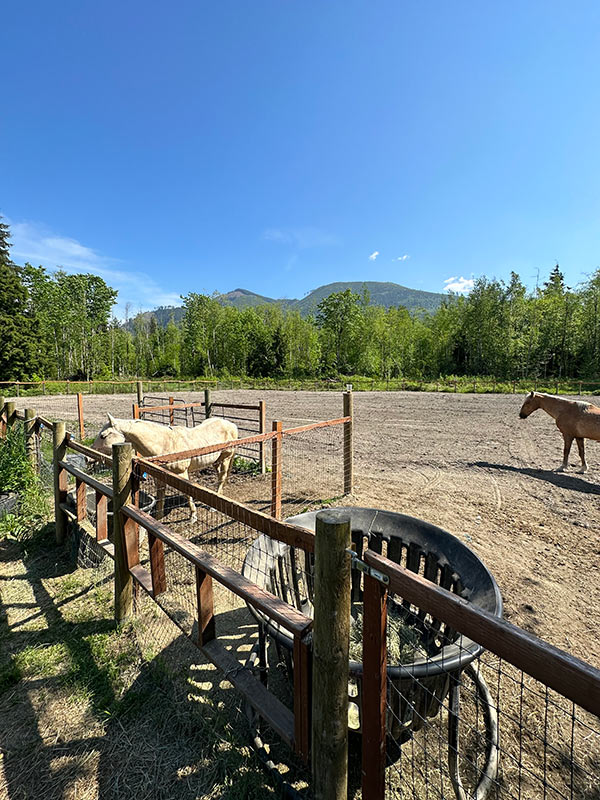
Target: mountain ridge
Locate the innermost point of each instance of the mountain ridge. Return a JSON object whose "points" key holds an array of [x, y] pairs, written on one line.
{"points": [[381, 293]]}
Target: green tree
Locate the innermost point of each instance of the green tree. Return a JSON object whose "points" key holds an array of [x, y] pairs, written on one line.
{"points": [[338, 318], [17, 353]]}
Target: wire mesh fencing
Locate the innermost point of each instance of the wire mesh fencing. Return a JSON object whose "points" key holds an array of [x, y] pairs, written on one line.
{"points": [[485, 729]]}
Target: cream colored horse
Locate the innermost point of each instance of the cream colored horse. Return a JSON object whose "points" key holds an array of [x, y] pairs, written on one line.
{"points": [[574, 419], [154, 439]]}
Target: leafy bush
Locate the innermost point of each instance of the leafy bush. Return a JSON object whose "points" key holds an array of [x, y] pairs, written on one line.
{"points": [[17, 475]]}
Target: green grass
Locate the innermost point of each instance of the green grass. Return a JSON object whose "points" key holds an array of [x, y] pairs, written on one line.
{"points": [[360, 383]]}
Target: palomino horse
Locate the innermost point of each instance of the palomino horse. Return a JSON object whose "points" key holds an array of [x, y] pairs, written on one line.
{"points": [[154, 439], [574, 419]]}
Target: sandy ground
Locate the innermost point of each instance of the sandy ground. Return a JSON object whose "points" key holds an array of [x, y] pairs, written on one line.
{"points": [[469, 464]]}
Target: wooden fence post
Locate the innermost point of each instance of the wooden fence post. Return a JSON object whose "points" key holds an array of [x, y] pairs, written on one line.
{"points": [[140, 393], [11, 418], [29, 432], [122, 455], [262, 428], [2, 422], [135, 411], [276, 471], [207, 404], [331, 644], [348, 444], [374, 689], [80, 416], [171, 412], [59, 437]]}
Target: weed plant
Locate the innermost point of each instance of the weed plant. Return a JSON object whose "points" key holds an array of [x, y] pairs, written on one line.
{"points": [[18, 475]]}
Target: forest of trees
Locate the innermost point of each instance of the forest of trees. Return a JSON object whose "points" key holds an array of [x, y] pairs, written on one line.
{"points": [[59, 325]]}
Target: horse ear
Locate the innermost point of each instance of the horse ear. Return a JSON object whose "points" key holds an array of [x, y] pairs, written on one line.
{"points": [[112, 420], [530, 395]]}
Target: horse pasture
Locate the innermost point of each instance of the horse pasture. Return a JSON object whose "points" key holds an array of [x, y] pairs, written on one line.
{"points": [[470, 464], [77, 696]]}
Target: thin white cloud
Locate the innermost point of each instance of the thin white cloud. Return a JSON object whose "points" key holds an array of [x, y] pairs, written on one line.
{"points": [[405, 257], [459, 285], [301, 238], [33, 242], [374, 255]]}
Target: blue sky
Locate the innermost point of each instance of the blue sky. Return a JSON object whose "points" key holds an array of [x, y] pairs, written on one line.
{"points": [[281, 145]]}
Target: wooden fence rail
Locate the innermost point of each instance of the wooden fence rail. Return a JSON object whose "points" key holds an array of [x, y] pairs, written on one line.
{"points": [[569, 676]]}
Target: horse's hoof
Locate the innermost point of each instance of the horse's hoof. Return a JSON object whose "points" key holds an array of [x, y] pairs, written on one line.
{"points": [[560, 469], [582, 471]]}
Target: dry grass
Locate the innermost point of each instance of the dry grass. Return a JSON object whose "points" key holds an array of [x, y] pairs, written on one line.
{"points": [[90, 710]]}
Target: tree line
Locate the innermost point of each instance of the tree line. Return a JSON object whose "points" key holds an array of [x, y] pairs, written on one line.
{"points": [[60, 325]]}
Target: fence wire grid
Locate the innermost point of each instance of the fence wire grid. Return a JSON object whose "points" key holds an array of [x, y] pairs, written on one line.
{"points": [[486, 730]]}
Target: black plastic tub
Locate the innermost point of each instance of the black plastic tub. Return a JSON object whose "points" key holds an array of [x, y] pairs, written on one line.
{"points": [[9, 502], [416, 690]]}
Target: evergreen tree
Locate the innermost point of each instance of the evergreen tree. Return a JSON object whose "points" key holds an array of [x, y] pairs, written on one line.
{"points": [[18, 330]]}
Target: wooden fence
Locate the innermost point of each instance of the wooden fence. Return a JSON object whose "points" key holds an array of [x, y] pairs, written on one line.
{"points": [[554, 670], [477, 384], [250, 418]]}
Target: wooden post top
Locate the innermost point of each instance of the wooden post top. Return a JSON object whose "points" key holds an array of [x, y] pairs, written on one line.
{"points": [[333, 516]]}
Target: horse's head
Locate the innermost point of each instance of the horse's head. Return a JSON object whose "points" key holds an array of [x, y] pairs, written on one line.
{"points": [[109, 435], [532, 403]]}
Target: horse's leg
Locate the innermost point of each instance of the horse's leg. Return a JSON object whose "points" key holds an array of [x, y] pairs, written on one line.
{"points": [[191, 504], [568, 442], [223, 467], [581, 447]]}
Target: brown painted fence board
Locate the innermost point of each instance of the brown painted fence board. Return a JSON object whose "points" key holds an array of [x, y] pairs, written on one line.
{"points": [[85, 478], [167, 458], [267, 705], [95, 455], [571, 677], [280, 612]]}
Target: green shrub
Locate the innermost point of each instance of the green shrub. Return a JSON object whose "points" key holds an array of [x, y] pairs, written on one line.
{"points": [[15, 470], [18, 475]]}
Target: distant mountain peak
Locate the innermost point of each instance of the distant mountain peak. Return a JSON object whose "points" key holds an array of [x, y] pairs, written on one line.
{"points": [[381, 293]]}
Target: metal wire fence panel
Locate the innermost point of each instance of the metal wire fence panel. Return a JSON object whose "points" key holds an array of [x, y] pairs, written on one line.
{"points": [[246, 418], [485, 729], [312, 469], [44, 455], [248, 424]]}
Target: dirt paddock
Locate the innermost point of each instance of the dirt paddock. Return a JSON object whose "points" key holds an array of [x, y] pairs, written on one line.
{"points": [[469, 464]]}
